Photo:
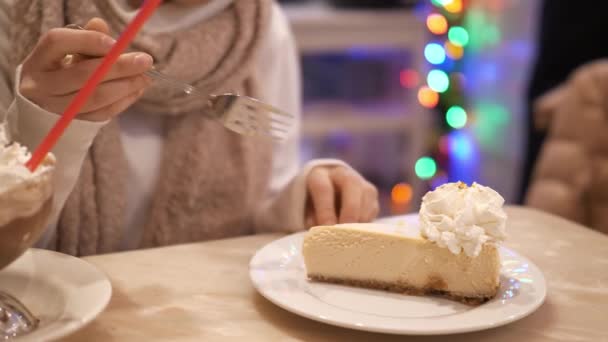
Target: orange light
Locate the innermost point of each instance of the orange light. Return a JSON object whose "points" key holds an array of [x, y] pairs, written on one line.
{"points": [[428, 97], [453, 51], [437, 24], [409, 78], [402, 193], [454, 7]]}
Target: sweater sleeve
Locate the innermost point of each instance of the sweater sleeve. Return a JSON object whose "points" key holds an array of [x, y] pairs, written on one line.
{"points": [[28, 124], [283, 208]]}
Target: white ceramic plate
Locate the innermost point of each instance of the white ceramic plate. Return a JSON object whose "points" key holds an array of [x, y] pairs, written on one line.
{"points": [[64, 292], [278, 273]]}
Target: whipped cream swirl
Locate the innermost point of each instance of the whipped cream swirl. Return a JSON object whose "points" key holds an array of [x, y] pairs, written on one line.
{"points": [[22, 192], [460, 217]]}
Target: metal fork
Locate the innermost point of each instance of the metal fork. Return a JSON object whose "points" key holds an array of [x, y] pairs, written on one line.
{"points": [[241, 114]]}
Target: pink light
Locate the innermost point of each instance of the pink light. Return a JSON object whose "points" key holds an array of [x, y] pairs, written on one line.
{"points": [[409, 78]]}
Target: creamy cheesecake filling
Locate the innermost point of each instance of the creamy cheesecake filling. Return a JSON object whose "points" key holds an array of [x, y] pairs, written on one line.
{"points": [[398, 259]]}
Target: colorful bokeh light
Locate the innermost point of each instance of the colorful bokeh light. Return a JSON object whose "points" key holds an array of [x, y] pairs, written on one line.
{"points": [[437, 23], [492, 35], [458, 36], [402, 193], [441, 3], [456, 117], [428, 97], [434, 53], [438, 80], [425, 168], [490, 120], [439, 179], [453, 6], [461, 146], [445, 84], [409, 78], [454, 51], [482, 31]]}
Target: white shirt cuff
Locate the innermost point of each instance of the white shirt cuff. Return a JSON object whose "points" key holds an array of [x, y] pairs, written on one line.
{"points": [[33, 123]]}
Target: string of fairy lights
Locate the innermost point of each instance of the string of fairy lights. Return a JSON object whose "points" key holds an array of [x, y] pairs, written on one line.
{"points": [[441, 91], [443, 88]]}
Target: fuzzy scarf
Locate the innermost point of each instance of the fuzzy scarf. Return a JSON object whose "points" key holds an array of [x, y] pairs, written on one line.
{"points": [[211, 178]]}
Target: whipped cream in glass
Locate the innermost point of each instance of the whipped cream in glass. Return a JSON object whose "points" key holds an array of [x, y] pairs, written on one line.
{"points": [[463, 218], [22, 192]]}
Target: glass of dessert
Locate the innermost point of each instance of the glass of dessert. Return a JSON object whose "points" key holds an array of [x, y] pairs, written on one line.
{"points": [[25, 206]]}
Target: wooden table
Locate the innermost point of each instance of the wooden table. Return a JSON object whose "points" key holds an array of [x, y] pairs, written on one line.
{"points": [[202, 292]]}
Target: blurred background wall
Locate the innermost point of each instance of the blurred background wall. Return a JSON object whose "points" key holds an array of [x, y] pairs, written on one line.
{"points": [[415, 93]]}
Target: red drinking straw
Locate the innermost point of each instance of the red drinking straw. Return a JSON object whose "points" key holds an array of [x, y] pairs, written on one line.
{"points": [[87, 90]]}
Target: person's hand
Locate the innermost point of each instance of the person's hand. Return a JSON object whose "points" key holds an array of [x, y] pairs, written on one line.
{"points": [[51, 83], [338, 194]]}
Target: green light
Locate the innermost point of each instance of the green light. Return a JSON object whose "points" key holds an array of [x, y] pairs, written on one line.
{"points": [[438, 81], [492, 34], [490, 120], [456, 117], [458, 36], [482, 32], [438, 3], [441, 3], [476, 24], [425, 168]]}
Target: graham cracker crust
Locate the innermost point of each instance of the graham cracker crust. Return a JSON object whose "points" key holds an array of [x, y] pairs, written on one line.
{"points": [[434, 287]]}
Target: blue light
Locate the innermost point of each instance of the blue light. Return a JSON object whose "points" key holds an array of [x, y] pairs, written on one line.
{"points": [[364, 52], [438, 181], [448, 64], [488, 72], [461, 146], [464, 157], [434, 53], [422, 9], [521, 49]]}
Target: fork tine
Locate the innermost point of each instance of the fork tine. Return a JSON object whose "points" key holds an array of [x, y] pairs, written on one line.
{"points": [[282, 131], [271, 129], [255, 127], [273, 132], [271, 120], [266, 107], [279, 123], [273, 126], [269, 134], [274, 137], [268, 120], [279, 129], [252, 117]]}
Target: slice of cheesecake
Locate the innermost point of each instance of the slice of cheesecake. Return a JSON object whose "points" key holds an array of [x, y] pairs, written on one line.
{"points": [[397, 258]]}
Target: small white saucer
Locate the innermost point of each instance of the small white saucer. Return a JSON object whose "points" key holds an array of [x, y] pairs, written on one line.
{"points": [[64, 292]]}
